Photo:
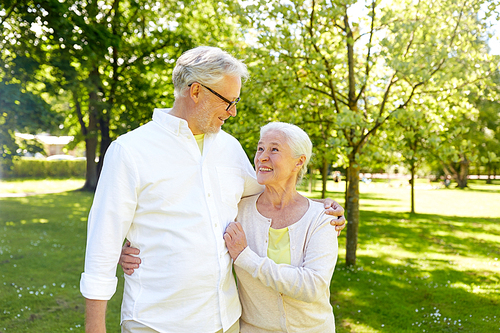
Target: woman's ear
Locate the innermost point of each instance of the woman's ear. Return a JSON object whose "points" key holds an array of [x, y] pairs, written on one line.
{"points": [[300, 162]]}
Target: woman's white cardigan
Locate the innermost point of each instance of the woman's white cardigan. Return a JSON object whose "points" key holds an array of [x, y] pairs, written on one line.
{"points": [[281, 297]]}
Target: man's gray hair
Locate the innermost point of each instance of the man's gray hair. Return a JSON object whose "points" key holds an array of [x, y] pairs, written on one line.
{"points": [[206, 65], [296, 138]]}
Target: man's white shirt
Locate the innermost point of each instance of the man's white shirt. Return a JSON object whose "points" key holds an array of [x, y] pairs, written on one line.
{"points": [[173, 203]]}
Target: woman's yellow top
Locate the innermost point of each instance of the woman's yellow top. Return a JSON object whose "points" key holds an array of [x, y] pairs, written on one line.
{"points": [[278, 248]]}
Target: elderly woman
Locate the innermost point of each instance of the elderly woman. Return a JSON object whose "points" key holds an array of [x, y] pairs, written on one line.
{"points": [[283, 246]]}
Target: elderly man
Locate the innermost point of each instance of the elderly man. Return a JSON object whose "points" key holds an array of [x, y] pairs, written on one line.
{"points": [[171, 187]]}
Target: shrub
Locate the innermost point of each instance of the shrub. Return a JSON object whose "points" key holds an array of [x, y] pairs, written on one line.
{"points": [[41, 168]]}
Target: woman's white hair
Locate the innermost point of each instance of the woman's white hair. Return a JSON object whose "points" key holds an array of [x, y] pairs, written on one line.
{"points": [[296, 138], [206, 65]]}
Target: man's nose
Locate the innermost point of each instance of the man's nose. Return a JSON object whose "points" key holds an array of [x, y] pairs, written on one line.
{"points": [[232, 111]]}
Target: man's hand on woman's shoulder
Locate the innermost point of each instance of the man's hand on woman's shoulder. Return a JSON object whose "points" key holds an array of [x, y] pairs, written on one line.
{"points": [[334, 209]]}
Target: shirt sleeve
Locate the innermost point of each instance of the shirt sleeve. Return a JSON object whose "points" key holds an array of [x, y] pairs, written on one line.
{"points": [[251, 185], [109, 220], [307, 282]]}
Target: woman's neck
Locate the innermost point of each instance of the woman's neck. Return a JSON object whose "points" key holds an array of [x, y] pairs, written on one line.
{"points": [[279, 197], [284, 206]]}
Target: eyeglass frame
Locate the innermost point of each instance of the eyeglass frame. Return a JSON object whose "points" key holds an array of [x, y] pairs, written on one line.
{"points": [[220, 96]]}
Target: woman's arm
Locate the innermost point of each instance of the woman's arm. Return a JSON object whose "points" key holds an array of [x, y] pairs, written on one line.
{"points": [[307, 282]]}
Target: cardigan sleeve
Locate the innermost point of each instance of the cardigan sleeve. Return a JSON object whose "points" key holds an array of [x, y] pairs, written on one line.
{"points": [[306, 282]]}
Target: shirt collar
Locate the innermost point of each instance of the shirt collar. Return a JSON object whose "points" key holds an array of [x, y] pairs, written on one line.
{"points": [[173, 124]]}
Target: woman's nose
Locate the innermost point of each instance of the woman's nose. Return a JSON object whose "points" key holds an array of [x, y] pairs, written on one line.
{"points": [[263, 157]]}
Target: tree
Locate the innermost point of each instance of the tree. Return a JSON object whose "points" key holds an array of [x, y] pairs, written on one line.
{"points": [[456, 147], [360, 70], [20, 110], [412, 132], [488, 124], [110, 62]]}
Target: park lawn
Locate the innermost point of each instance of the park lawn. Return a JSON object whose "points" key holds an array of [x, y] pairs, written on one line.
{"points": [[438, 272], [15, 186], [422, 273], [478, 200], [42, 247]]}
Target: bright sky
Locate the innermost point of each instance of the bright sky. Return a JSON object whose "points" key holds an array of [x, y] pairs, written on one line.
{"points": [[494, 42], [494, 20]]}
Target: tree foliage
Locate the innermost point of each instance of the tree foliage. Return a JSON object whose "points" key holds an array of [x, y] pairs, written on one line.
{"points": [[353, 74], [487, 126], [353, 65], [109, 63]]}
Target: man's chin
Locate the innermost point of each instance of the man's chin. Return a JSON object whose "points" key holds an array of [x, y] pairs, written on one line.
{"points": [[213, 130]]}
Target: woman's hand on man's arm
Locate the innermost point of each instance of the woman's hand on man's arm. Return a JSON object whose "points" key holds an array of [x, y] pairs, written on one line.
{"points": [[235, 238]]}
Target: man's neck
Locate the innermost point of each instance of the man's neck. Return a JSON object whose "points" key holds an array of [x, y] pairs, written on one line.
{"points": [[178, 111], [181, 111]]}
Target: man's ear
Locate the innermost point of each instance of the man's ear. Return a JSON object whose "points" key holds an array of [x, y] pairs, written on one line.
{"points": [[194, 92]]}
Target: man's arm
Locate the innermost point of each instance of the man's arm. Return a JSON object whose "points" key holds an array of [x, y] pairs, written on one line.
{"points": [[109, 221], [95, 316]]}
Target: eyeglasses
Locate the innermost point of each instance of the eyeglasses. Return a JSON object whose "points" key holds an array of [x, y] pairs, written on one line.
{"points": [[231, 104]]}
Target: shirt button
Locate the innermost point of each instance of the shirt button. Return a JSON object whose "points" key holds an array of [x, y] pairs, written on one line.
{"points": [[216, 225], [208, 195]]}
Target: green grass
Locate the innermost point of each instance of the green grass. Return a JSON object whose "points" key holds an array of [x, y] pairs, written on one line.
{"points": [[478, 200], [42, 247], [414, 271], [438, 270], [11, 186]]}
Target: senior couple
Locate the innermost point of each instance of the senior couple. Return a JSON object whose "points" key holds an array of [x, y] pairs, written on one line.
{"points": [[173, 188]]}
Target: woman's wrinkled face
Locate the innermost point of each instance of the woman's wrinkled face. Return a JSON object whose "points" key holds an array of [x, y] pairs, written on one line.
{"points": [[274, 162]]}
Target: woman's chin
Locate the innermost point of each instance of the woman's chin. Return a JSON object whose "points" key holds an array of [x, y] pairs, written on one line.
{"points": [[262, 180]]}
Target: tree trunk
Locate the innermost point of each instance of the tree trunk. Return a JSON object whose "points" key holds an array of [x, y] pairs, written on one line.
{"points": [[105, 140], [352, 207], [91, 142], [324, 178], [488, 181], [346, 186], [463, 172], [412, 183], [90, 150], [92, 139], [90, 134], [310, 180]]}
